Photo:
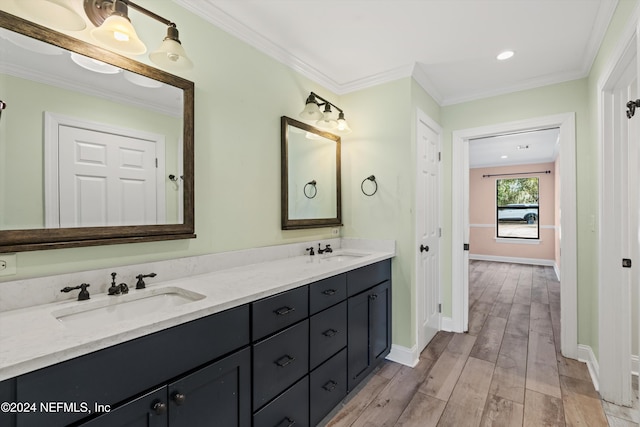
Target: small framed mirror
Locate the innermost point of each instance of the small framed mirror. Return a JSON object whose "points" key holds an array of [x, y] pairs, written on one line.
{"points": [[310, 176]]}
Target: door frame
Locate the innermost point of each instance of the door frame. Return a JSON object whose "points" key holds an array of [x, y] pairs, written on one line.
{"points": [[420, 287], [568, 231], [52, 121], [614, 325]]}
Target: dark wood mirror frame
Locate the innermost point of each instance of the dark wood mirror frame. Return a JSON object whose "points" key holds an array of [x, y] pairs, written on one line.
{"points": [[56, 238], [289, 223]]}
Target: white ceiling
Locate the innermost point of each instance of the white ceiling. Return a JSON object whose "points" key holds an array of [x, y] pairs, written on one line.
{"points": [[448, 46], [539, 146]]}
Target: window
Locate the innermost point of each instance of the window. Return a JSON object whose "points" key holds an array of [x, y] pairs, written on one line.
{"points": [[517, 208]]}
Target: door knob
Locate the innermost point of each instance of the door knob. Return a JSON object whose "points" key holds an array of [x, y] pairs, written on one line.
{"points": [[424, 248], [159, 407], [179, 398]]}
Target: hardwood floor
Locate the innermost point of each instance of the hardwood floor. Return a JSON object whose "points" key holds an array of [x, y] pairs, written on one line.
{"points": [[507, 371]]}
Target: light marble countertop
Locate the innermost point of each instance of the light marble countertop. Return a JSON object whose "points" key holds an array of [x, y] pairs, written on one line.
{"points": [[32, 338]]}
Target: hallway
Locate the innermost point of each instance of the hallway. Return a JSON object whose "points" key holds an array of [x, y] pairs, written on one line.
{"points": [[507, 371]]}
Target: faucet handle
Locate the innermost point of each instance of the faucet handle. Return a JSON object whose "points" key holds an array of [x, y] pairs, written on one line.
{"points": [[310, 250], [140, 283], [84, 293]]}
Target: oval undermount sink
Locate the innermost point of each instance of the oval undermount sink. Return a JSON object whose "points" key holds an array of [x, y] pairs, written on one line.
{"points": [[125, 307], [342, 256]]}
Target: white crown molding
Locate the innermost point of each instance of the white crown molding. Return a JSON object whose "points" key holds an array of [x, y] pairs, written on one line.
{"points": [[603, 18], [420, 76]]}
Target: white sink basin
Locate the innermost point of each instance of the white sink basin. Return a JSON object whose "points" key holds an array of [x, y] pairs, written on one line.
{"points": [[342, 256], [125, 307]]}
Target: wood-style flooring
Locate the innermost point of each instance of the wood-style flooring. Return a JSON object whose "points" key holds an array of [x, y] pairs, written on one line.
{"points": [[506, 371]]}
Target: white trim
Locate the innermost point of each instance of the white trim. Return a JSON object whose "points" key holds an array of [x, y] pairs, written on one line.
{"points": [[460, 220], [446, 324], [635, 365], [614, 327], [403, 355], [586, 355], [513, 260], [546, 227], [517, 241]]}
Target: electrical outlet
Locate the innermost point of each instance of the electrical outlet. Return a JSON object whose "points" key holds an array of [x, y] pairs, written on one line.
{"points": [[7, 264], [335, 231]]}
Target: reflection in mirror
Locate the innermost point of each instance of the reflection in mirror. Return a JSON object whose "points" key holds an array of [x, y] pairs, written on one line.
{"points": [[310, 176], [88, 140]]}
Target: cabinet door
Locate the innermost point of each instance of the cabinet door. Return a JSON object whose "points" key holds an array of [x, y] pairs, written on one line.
{"points": [[149, 410], [217, 395], [369, 327]]}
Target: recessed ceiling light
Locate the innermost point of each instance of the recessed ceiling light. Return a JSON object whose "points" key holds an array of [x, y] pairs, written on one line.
{"points": [[522, 147], [505, 55], [504, 156]]}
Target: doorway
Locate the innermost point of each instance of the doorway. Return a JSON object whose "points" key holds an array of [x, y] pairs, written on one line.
{"points": [[568, 241]]}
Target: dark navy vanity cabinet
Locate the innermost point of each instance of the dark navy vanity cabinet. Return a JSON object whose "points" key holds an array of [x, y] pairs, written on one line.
{"points": [[284, 360]]}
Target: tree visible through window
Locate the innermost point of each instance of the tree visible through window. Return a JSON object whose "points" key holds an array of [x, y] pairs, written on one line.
{"points": [[517, 208]]}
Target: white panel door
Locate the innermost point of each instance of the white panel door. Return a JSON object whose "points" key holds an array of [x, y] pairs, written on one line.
{"points": [[105, 179], [428, 230]]}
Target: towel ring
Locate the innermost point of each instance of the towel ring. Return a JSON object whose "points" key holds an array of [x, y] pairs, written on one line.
{"points": [[312, 186], [371, 178]]}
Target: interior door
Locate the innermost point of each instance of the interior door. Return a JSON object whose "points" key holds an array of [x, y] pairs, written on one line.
{"points": [[428, 230], [105, 179]]}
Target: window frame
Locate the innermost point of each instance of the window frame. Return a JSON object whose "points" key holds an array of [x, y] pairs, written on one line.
{"points": [[523, 207]]}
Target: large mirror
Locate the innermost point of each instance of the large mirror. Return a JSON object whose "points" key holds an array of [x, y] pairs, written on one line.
{"points": [[95, 148], [310, 176]]}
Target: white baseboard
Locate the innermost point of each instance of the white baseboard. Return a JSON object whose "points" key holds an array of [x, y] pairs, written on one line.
{"points": [[447, 324], [585, 354], [556, 269], [403, 355], [635, 365], [514, 260]]}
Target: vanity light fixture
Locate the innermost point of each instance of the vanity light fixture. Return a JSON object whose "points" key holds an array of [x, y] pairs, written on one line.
{"points": [[58, 14], [324, 119], [115, 31]]}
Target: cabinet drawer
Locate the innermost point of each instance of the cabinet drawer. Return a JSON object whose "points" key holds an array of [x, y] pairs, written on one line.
{"points": [[279, 311], [116, 373], [365, 277], [327, 292], [327, 334], [328, 386], [289, 409], [280, 361]]}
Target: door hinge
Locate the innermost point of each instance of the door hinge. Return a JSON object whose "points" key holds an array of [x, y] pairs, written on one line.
{"points": [[156, 163], [466, 247], [439, 308], [439, 156], [439, 231], [626, 263]]}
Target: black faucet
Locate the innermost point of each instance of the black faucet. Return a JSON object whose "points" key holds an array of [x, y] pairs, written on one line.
{"points": [[327, 249], [114, 289], [140, 283], [310, 250], [82, 295]]}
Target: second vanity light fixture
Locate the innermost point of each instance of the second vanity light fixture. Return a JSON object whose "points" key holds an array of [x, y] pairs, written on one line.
{"points": [[325, 118], [115, 31]]}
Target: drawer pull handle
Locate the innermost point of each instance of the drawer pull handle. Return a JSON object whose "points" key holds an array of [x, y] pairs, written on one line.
{"points": [[329, 292], [287, 422], [179, 398], [283, 311], [159, 407], [330, 386], [284, 360], [329, 332]]}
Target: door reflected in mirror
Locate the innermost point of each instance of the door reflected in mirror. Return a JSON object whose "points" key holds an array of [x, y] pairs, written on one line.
{"points": [[310, 176]]}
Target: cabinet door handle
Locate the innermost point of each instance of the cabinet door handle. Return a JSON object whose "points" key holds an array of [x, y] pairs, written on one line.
{"points": [[159, 407], [330, 386], [179, 398], [373, 296], [284, 360], [282, 311], [329, 292], [287, 422], [330, 332]]}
